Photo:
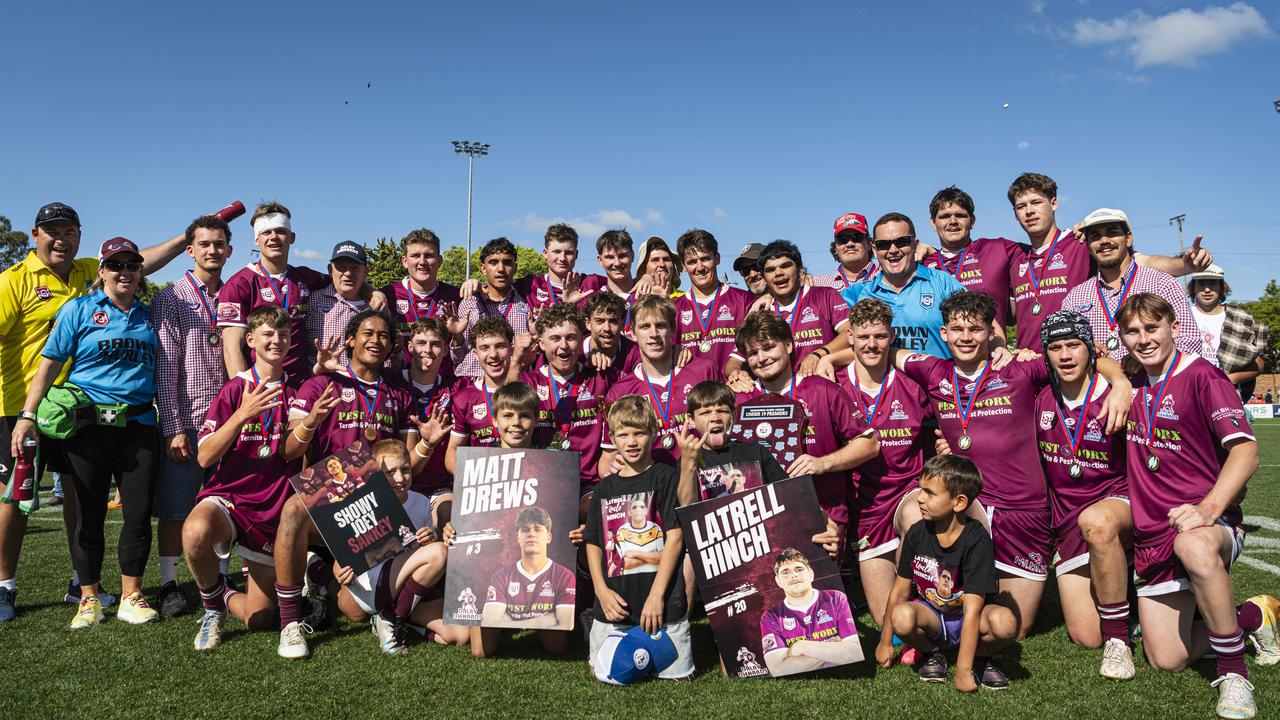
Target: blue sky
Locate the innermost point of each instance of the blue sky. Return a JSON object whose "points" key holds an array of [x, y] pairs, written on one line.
{"points": [[755, 121]]}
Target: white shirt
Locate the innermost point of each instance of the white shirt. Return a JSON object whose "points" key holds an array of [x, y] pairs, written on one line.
{"points": [[1210, 332]]}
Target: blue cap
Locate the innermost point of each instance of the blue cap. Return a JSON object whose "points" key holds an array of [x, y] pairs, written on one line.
{"points": [[630, 657]]}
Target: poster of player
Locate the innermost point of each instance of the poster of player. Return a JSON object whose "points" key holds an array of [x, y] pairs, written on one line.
{"points": [[729, 478], [512, 564], [773, 598], [354, 508]]}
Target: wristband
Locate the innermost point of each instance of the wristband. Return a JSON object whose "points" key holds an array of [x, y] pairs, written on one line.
{"points": [[418, 449], [825, 352], [27, 415], [300, 438]]}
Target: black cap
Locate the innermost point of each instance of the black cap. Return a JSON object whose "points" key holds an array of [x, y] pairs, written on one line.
{"points": [[350, 250], [748, 257], [56, 211]]}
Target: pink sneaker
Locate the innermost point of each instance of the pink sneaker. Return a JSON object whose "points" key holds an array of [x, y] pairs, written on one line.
{"points": [[910, 656]]}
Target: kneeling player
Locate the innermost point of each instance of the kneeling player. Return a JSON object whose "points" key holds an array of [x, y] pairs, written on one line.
{"points": [[242, 435], [810, 629], [404, 587], [950, 560], [1191, 452]]}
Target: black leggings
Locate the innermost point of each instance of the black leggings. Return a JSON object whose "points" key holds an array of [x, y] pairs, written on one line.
{"points": [[97, 454]]}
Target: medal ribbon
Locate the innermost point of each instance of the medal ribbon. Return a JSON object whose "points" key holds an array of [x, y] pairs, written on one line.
{"points": [[1074, 440], [267, 418], [795, 314], [870, 411], [1150, 413], [1031, 265], [551, 289], [1124, 293], [955, 394], [413, 300], [663, 412], [630, 300], [283, 295], [960, 263], [204, 302], [704, 326], [488, 403], [572, 397], [508, 301], [370, 408]]}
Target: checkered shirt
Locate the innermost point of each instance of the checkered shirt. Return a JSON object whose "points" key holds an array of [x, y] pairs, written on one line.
{"points": [[189, 371], [478, 306]]}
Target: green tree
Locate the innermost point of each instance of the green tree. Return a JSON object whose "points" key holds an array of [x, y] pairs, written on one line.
{"points": [[147, 293], [13, 244], [454, 267], [1266, 310], [384, 262]]}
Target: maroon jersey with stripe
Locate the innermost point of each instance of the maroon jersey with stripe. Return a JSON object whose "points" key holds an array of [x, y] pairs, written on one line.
{"points": [[987, 262], [471, 418], [1069, 265], [822, 313], [345, 423], [532, 596], [826, 619], [249, 290], [713, 320], [432, 476], [899, 416], [685, 378], [540, 292], [1101, 457], [582, 411]]}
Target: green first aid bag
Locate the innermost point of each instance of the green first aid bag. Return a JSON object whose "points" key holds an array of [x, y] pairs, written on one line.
{"points": [[63, 411]]}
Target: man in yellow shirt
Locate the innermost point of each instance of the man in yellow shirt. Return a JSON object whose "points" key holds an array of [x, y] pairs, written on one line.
{"points": [[31, 293]]}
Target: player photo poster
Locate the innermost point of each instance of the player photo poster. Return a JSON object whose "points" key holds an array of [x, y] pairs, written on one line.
{"points": [[512, 564], [729, 478], [774, 599], [353, 506]]}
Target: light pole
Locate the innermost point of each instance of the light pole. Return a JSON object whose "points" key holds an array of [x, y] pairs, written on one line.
{"points": [[472, 150]]}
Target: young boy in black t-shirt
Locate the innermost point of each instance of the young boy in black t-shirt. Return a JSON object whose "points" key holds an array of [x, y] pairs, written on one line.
{"points": [[949, 561], [631, 522]]}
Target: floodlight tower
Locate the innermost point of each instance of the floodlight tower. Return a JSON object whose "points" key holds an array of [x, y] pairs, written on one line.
{"points": [[472, 149]]}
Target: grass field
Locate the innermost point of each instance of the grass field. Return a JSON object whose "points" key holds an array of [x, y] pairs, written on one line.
{"points": [[118, 670]]}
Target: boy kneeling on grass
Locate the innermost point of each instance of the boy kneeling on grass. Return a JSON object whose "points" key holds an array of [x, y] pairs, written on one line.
{"points": [[407, 586], [949, 560], [630, 588]]}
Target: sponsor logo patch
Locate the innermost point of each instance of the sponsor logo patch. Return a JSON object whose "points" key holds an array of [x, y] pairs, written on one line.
{"points": [[44, 293], [100, 318], [926, 300], [228, 311], [1046, 419]]}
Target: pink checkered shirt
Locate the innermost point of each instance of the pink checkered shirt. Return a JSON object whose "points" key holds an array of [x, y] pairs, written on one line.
{"points": [[327, 317], [189, 371], [478, 306], [1083, 299]]}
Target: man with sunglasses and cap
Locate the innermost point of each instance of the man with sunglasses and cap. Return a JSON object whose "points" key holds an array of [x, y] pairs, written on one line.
{"points": [[747, 265], [31, 294], [851, 249]]}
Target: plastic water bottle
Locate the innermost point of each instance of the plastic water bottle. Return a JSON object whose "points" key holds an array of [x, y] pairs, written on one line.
{"points": [[24, 472]]}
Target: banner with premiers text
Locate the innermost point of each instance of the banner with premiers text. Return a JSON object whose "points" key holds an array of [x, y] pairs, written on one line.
{"points": [[774, 599], [353, 506], [512, 563]]}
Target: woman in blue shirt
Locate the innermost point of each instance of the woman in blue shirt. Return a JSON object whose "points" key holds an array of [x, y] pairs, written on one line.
{"points": [[111, 343]]}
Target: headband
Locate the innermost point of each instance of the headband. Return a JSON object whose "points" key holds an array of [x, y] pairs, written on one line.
{"points": [[270, 221]]}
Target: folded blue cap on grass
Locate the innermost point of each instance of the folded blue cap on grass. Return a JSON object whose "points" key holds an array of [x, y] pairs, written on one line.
{"points": [[631, 656]]}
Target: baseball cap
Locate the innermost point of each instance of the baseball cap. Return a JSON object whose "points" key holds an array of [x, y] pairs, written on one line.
{"points": [[630, 657], [351, 251], [851, 221], [748, 257], [117, 246], [1213, 272], [1102, 216], [56, 211]]}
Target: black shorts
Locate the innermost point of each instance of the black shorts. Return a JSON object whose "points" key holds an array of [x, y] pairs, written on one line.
{"points": [[51, 455]]}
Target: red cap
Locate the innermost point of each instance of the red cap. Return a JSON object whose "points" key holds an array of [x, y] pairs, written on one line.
{"points": [[116, 246], [851, 221]]}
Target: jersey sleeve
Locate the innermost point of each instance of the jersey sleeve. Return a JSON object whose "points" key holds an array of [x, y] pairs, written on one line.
{"points": [[836, 308], [221, 409], [1037, 371], [844, 617], [234, 301], [10, 307], [566, 587], [405, 412], [1221, 406], [312, 279], [920, 367], [306, 396], [458, 411], [61, 344], [771, 639], [494, 593], [979, 564]]}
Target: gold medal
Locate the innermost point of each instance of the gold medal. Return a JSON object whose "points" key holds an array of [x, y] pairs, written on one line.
{"points": [[704, 346], [965, 443], [371, 433]]}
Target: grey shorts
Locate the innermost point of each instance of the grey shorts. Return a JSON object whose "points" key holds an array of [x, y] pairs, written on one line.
{"points": [[177, 485]]}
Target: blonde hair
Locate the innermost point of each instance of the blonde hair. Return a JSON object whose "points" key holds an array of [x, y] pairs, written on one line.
{"points": [[632, 411], [391, 448]]}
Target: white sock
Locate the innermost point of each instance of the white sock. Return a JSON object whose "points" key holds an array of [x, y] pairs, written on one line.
{"points": [[169, 568], [11, 584], [224, 565]]}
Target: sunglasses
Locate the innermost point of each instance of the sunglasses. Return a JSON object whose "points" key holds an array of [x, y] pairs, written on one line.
{"points": [[902, 242], [850, 237], [122, 265]]}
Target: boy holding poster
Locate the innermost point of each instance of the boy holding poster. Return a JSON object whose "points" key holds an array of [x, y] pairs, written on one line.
{"points": [[398, 588], [949, 559], [632, 522]]}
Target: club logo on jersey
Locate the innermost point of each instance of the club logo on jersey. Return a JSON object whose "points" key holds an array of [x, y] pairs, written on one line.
{"points": [[1093, 431], [788, 623], [478, 411], [808, 316], [996, 384], [686, 317], [44, 293], [1166, 408], [896, 411], [208, 426], [541, 295], [823, 617], [268, 295], [725, 313], [543, 392], [100, 318], [769, 643], [945, 387], [1046, 419], [513, 588], [1057, 263], [228, 311], [348, 394], [547, 590], [926, 300], [402, 306]]}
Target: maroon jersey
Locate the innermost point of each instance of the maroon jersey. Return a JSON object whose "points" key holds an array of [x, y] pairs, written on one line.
{"points": [[257, 486], [1058, 267], [1001, 425], [1199, 414], [426, 398], [983, 266], [574, 410], [897, 413], [249, 290], [346, 422], [815, 316], [1101, 457], [833, 423], [825, 619], [625, 359], [633, 383], [711, 322], [531, 596], [539, 291], [409, 306], [472, 410]]}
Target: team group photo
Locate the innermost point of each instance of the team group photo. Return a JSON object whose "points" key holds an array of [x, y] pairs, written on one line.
{"points": [[974, 438]]}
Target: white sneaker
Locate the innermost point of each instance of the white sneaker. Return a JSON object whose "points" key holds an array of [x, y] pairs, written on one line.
{"points": [[293, 643], [135, 610], [390, 635], [1266, 639], [1235, 697], [1117, 660], [210, 634]]}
